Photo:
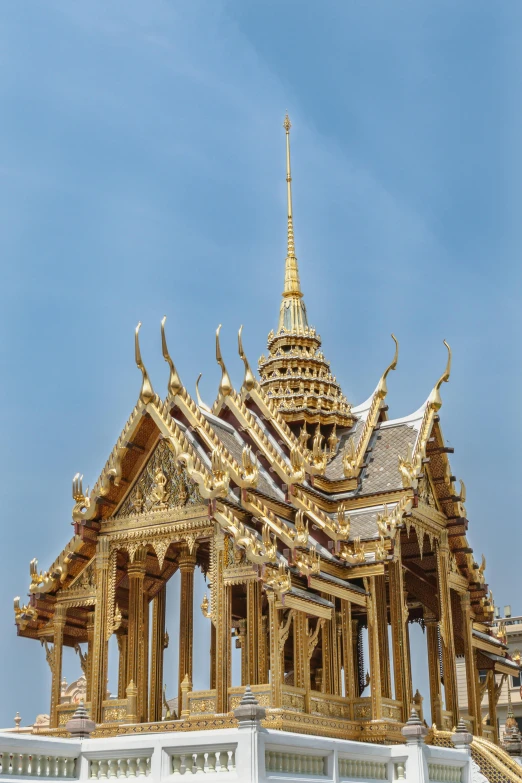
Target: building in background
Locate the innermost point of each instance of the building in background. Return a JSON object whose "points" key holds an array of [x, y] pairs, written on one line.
{"points": [[506, 635]]}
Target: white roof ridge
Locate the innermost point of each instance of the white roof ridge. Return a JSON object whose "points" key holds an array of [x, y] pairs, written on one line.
{"points": [[412, 418]]}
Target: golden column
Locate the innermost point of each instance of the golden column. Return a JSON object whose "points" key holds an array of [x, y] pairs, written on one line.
{"points": [[158, 645], [187, 564], [478, 694], [99, 658], [275, 654], [300, 650], [373, 644], [263, 651], [446, 628], [122, 664], [382, 624], [90, 653], [330, 683], [471, 677], [212, 655], [59, 618], [223, 628], [399, 627], [137, 641], [432, 640], [348, 656], [492, 704], [253, 633], [244, 652]]}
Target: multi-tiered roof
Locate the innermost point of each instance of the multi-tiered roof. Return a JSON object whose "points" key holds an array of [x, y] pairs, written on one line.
{"points": [[315, 533]]}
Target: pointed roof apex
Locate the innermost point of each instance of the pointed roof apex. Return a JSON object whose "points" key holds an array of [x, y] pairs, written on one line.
{"points": [[293, 311]]}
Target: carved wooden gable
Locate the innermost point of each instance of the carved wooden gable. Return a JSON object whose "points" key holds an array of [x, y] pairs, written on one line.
{"points": [[426, 493], [163, 484]]}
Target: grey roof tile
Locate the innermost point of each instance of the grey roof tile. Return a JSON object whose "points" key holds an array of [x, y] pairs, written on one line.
{"points": [[235, 447], [382, 473]]}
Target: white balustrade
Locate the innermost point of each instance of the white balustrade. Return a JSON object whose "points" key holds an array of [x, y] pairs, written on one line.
{"points": [[360, 769], [443, 773], [300, 763], [197, 762], [120, 767], [243, 755], [35, 765]]}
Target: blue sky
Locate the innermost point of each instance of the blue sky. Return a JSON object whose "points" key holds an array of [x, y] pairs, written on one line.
{"points": [[142, 164]]}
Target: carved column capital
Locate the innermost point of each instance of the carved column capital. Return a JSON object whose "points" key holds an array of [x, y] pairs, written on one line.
{"points": [[187, 558], [102, 552], [430, 618], [139, 564], [60, 616]]}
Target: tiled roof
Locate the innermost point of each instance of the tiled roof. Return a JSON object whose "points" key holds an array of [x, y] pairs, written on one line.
{"points": [[387, 444], [334, 470], [235, 446]]}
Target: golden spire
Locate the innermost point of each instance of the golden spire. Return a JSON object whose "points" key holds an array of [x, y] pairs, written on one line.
{"points": [[293, 312], [292, 284]]}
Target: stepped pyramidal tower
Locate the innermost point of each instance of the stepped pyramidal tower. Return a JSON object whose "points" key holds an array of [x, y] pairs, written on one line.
{"points": [[295, 374]]}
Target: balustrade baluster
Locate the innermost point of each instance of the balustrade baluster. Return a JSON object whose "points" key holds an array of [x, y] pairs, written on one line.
{"points": [[70, 765], [211, 761], [104, 767], [60, 767], [176, 764], [123, 766], [142, 766], [95, 768], [133, 766], [24, 764], [231, 759], [113, 768]]}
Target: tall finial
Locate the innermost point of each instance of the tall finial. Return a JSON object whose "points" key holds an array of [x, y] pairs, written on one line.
{"points": [[435, 399], [292, 283], [291, 246], [293, 311], [225, 386], [147, 392], [175, 385]]}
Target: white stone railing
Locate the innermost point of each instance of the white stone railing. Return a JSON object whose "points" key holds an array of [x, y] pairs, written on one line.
{"points": [[359, 769], [120, 766], [203, 760], [442, 773], [300, 763], [25, 756], [244, 755]]}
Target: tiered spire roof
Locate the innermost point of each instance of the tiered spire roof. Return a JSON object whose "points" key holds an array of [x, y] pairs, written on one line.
{"points": [[296, 374]]}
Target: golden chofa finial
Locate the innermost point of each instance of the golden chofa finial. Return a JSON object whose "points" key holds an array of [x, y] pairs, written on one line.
{"points": [[146, 392], [201, 404], [287, 124], [382, 388], [225, 386], [435, 400], [249, 381], [174, 386]]}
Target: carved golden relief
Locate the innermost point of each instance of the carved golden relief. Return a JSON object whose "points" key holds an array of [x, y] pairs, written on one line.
{"points": [[163, 484]]}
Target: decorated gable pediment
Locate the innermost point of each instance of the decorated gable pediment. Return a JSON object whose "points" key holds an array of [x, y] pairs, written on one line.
{"points": [[163, 484], [426, 492]]}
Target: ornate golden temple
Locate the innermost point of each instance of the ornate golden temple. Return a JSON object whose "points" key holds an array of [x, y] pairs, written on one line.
{"points": [[325, 530]]}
